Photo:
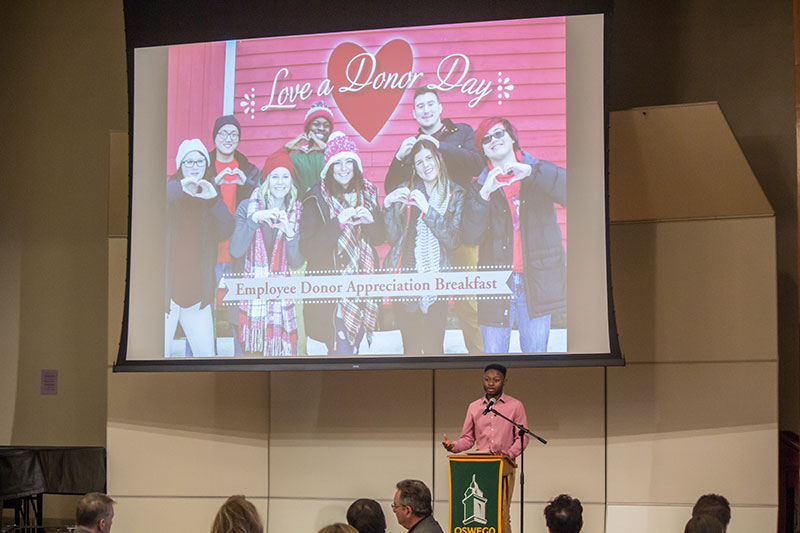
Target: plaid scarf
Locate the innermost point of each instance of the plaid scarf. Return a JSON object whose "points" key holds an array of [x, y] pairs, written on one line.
{"points": [[268, 327], [354, 256]]}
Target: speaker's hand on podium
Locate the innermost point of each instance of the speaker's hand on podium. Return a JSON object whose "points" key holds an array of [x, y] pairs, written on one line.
{"points": [[447, 444]]}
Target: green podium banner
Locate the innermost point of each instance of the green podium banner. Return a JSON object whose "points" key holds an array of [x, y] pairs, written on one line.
{"points": [[475, 493]]}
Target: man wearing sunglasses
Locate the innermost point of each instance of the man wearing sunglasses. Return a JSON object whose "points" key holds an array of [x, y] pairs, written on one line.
{"points": [[510, 214], [463, 161]]}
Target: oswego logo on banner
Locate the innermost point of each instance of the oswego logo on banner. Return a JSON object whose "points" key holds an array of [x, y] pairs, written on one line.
{"points": [[474, 504], [475, 494]]}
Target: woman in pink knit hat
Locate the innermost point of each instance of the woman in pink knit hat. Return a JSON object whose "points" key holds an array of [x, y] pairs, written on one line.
{"points": [[340, 226]]}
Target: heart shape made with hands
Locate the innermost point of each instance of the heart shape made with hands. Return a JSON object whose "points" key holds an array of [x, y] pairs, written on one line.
{"points": [[367, 109], [507, 178], [272, 221], [205, 190]]}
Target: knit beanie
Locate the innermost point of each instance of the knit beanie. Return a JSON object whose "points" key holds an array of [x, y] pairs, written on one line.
{"points": [[340, 147], [317, 109], [224, 120], [483, 128], [277, 159], [190, 145]]}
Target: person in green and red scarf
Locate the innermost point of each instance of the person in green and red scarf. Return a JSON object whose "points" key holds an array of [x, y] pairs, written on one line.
{"points": [[265, 243]]}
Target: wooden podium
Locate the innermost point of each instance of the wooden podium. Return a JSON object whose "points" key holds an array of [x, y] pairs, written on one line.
{"points": [[480, 486]]}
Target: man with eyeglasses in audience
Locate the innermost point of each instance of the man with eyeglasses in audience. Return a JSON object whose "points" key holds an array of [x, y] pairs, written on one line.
{"points": [[412, 505], [509, 213]]}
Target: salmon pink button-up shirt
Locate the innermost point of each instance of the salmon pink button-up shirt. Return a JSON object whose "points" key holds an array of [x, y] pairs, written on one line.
{"points": [[489, 431]]}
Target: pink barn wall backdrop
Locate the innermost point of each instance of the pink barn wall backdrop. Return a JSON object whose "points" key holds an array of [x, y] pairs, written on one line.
{"points": [[529, 55]]}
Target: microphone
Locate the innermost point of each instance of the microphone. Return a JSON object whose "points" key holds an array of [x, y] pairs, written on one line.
{"points": [[490, 405]]}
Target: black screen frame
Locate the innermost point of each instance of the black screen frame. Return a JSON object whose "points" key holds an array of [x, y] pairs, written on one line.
{"points": [[156, 23]]}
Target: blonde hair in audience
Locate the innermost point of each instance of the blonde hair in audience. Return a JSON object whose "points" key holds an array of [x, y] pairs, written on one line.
{"points": [[237, 515], [338, 527]]}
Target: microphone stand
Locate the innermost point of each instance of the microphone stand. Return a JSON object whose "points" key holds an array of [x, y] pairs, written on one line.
{"points": [[522, 431]]}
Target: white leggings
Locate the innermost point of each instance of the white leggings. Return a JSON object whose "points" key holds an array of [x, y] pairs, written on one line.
{"points": [[196, 323]]}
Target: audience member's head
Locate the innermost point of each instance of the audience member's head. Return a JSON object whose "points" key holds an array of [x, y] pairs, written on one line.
{"points": [[237, 515], [412, 502], [714, 505], [564, 515], [366, 516], [338, 527], [703, 523], [95, 512]]}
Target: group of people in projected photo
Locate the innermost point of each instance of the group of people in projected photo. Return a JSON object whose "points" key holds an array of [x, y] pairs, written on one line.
{"points": [[455, 198]]}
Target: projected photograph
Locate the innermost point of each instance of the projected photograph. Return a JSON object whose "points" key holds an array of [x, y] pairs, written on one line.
{"points": [[375, 192]]}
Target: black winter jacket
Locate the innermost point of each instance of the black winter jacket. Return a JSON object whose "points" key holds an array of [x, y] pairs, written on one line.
{"points": [[488, 224], [217, 225], [461, 157], [446, 228], [251, 171], [319, 236]]}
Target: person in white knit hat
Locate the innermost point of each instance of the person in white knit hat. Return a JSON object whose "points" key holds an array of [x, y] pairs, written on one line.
{"points": [[197, 220], [341, 223]]}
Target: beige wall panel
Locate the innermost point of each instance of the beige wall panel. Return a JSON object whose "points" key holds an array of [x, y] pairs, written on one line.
{"points": [[176, 515], [207, 431], [564, 406], [675, 161], [308, 515], [118, 183], [696, 290], [10, 295], [673, 518], [675, 431], [340, 424], [146, 461], [117, 256]]}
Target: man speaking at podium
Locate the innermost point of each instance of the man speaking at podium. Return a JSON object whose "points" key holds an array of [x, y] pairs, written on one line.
{"points": [[489, 432]]}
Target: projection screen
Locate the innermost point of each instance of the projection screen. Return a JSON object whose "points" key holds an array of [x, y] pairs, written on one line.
{"points": [[410, 197]]}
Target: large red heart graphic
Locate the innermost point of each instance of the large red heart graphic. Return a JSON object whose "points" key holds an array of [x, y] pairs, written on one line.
{"points": [[368, 108]]}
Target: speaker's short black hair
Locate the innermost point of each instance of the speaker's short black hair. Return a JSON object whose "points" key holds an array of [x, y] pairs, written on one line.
{"points": [[495, 366]]}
